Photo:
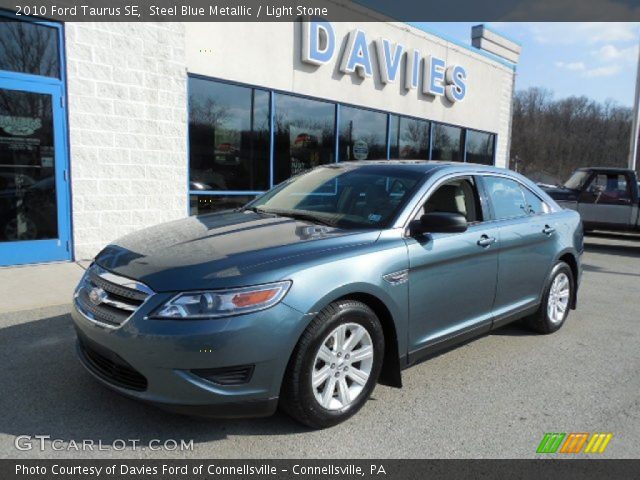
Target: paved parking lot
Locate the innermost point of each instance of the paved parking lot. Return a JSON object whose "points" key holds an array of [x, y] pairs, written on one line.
{"points": [[493, 397]]}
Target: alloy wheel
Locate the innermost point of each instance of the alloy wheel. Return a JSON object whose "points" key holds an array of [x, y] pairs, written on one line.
{"points": [[342, 366], [558, 302]]}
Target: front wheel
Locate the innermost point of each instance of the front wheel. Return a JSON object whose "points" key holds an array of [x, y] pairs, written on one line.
{"points": [[335, 366], [556, 301]]}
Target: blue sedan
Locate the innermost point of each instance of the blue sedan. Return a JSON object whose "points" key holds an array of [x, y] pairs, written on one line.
{"points": [[326, 285]]}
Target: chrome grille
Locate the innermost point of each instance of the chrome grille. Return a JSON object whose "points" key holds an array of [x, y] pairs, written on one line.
{"points": [[109, 299]]}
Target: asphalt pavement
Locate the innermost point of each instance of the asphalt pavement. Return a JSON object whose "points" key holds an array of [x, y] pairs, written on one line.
{"points": [[494, 397]]}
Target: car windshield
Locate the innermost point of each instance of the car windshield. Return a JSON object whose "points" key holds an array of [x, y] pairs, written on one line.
{"points": [[345, 197], [576, 182]]}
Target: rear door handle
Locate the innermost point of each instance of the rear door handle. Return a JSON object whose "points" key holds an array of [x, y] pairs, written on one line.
{"points": [[547, 230], [486, 241]]}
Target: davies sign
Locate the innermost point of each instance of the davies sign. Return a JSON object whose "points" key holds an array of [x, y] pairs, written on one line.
{"points": [[437, 78]]}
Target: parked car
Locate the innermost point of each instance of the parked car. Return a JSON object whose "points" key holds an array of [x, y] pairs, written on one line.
{"points": [[606, 198], [331, 282]]}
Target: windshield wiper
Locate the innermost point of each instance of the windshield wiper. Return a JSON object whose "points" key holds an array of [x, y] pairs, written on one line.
{"points": [[257, 210], [303, 216]]}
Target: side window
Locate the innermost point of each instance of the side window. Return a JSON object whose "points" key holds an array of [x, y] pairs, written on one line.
{"points": [[507, 197], [608, 189], [457, 196]]}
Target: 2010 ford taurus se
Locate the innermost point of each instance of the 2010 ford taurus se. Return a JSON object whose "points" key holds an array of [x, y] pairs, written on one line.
{"points": [[324, 286]]}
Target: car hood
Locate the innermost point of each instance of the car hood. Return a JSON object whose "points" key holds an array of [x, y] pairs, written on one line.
{"points": [[561, 193], [224, 250]]}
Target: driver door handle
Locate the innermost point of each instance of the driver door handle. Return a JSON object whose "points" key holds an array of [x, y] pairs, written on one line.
{"points": [[486, 241], [547, 230]]}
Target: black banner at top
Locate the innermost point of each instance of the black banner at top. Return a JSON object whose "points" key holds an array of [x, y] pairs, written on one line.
{"points": [[333, 10]]}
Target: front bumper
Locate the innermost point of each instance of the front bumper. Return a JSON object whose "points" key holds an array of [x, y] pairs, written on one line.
{"points": [[165, 353]]}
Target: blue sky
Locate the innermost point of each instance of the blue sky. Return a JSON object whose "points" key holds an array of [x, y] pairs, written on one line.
{"points": [[598, 60]]}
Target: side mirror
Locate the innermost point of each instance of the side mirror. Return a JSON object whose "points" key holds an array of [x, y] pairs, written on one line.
{"points": [[438, 222]]}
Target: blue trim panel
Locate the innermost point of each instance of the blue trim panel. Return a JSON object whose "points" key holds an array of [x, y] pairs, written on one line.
{"points": [[37, 251], [388, 135], [225, 192], [337, 133], [272, 110], [60, 248]]}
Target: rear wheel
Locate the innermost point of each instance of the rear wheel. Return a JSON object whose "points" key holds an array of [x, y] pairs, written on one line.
{"points": [[335, 366], [556, 301]]}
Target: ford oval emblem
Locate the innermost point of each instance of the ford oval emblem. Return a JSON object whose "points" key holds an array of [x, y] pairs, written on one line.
{"points": [[97, 295]]}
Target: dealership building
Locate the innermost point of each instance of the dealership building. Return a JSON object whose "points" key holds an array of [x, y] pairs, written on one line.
{"points": [[106, 128]]}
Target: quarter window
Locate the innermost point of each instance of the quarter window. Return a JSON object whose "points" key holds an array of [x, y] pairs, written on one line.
{"points": [[535, 206]]}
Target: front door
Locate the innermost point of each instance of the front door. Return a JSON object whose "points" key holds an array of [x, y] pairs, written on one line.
{"points": [[452, 276], [34, 191], [607, 200]]}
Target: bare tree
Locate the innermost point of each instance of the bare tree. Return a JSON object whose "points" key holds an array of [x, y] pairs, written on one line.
{"points": [[558, 136]]}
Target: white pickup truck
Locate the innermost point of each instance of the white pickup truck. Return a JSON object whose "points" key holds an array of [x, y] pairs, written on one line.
{"points": [[606, 198]]}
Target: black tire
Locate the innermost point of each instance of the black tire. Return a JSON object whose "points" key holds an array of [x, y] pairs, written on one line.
{"points": [[540, 321], [297, 396]]}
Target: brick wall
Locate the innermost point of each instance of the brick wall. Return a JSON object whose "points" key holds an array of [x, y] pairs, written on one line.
{"points": [[128, 128]]}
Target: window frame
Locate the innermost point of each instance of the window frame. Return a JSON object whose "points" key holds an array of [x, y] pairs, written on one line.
{"points": [[485, 208], [490, 202], [477, 197]]}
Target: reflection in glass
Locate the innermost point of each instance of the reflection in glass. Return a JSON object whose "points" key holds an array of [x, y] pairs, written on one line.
{"points": [[480, 147], [228, 136], [447, 143], [304, 135], [201, 204], [28, 209], [409, 138], [363, 134], [28, 47]]}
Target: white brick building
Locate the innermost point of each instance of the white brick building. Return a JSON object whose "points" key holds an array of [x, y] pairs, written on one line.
{"points": [[142, 123]]}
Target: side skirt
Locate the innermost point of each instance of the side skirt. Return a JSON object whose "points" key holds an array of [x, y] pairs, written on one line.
{"points": [[460, 338]]}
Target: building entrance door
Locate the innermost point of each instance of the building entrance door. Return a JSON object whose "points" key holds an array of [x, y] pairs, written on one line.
{"points": [[34, 186]]}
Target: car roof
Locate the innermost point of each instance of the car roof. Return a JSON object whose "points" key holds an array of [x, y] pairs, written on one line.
{"points": [[424, 166]]}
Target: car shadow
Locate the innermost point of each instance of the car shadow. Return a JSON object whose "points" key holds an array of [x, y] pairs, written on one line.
{"points": [[45, 391]]}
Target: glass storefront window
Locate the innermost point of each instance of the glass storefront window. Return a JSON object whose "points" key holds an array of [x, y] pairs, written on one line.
{"points": [[409, 138], [480, 147], [28, 47], [447, 143], [363, 134], [230, 149], [304, 135], [228, 137], [201, 204]]}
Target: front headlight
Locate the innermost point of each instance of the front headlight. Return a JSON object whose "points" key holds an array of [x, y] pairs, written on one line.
{"points": [[223, 303]]}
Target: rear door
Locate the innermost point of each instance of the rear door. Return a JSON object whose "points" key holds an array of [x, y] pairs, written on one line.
{"points": [[526, 246], [607, 200]]}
